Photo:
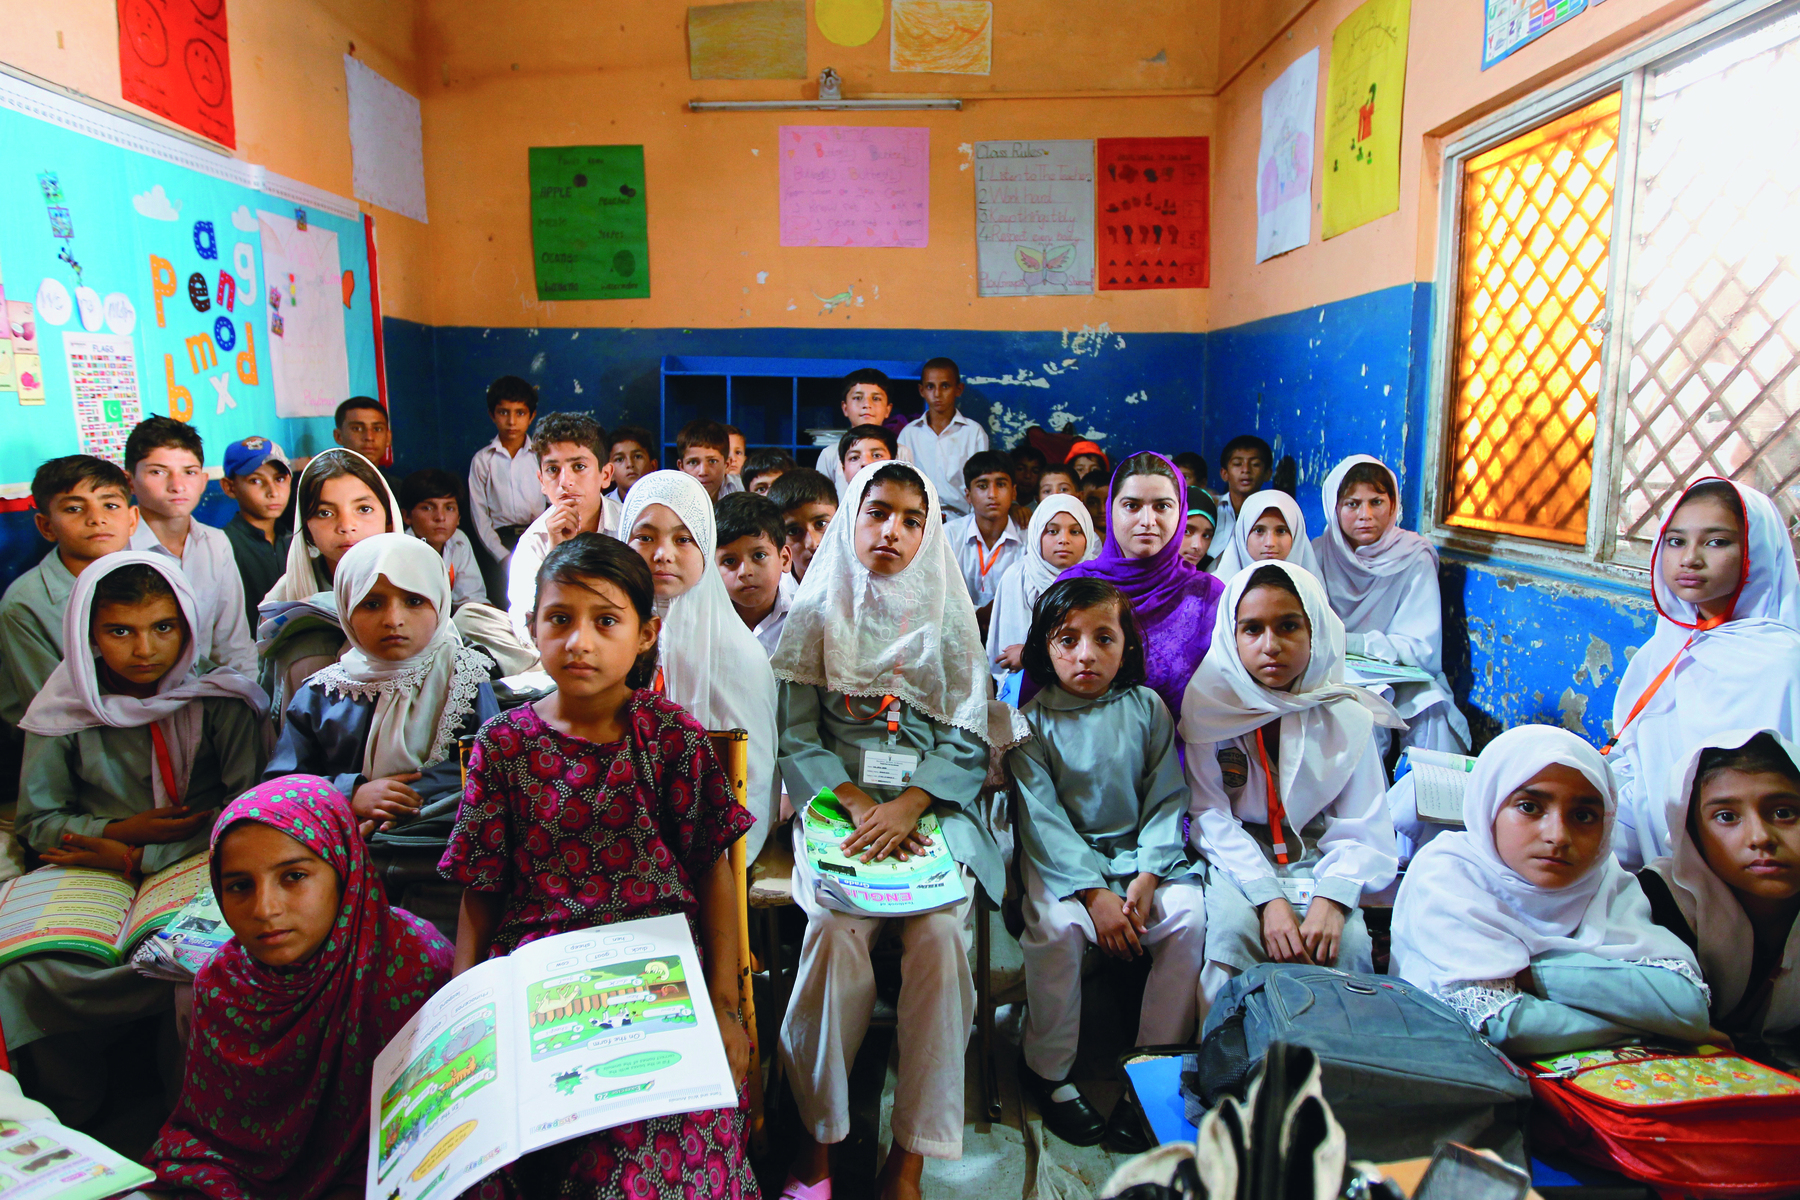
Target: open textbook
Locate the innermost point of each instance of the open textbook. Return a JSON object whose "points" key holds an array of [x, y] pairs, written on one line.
{"points": [[187, 943], [1368, 672], [575, 1033], [892, 887], [84, 910], [42, 1159], [1439, 780]]}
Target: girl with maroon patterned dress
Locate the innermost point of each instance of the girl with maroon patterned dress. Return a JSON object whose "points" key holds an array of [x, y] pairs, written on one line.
{"points": [[603, 802]]}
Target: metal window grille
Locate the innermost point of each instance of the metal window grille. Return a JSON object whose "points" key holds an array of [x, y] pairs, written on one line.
{"points": [[1531, 304], [1713, 283]]}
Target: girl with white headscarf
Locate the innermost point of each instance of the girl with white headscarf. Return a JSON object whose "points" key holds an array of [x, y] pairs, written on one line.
{"points": [[1702, 674], [1237, 553], [709, 662], [1027, 578], [881, 655], [1541, 969], [1289, 798], [1730, 887], [383, 723]]}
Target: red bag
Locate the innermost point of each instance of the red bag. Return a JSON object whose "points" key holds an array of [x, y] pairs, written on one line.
{"points": [[1703, 1123]]}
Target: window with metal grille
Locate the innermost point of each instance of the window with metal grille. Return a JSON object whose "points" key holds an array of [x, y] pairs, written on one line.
{"points": [[1597, 361]]}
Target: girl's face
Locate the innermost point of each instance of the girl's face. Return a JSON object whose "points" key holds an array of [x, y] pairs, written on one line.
{"points": [[1364, 514], [347, 512], [1274, 637], [1748, 830], [1196, 539], [391, 623], [1549, 830], [890, 527], [1145, 515], [280, 898], [138, 643], [1056, 483], [1087, 648], [676, 562], [1270, 537], [589, 635], [1063, 541], [1702, 554]]}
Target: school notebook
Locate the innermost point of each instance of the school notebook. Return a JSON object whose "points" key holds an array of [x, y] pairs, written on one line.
{"points": [[892, 887], [1439, 781], [84, 910], [182, 947], [42, 1159], [563, 1037], [1373, 672]]}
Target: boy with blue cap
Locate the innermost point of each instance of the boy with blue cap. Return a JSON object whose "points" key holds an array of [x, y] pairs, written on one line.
{"points": [[258, 477]]}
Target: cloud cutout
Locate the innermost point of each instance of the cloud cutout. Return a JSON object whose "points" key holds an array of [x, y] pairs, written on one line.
{"points": [[155, 204], [244, 219]]}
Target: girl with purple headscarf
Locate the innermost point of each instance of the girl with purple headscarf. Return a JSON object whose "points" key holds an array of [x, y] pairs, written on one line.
{"points": [[1174, 602]]}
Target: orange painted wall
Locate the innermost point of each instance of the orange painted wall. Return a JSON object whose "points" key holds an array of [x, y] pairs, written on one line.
{"points": [[1445, 91]]}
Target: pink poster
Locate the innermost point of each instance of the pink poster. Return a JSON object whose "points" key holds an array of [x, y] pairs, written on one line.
{"points": [[846, 185]]}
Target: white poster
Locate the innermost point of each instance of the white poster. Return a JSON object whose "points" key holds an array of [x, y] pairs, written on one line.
{"points": [[387, 148], [1284, 160], [104, 384], [304, 294], [1034, 218]]}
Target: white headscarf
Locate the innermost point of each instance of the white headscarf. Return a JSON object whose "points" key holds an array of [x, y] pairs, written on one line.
{"points": [[1365, 582], [1027, 578], [1742, 674], [911, 635], [1326, 724], [71, 699], [1236, 555], [1464, 916], [300, 581], [712, 664], [420, 702], [1727, 943]]}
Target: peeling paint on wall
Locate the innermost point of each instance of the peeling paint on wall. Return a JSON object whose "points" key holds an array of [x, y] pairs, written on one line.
{"points": [[1572, 706], [1599, 661]]}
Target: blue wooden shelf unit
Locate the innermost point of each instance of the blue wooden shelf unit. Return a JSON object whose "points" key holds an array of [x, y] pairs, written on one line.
{"points": [[773, 400]]}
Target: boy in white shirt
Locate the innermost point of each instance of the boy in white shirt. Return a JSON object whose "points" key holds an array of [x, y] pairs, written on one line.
{"points": [[573, 476], [428, 501], [867, 401], [943, 439], [753, 558], [987, 540], [633, 455], [163, 456], [504, 496], [734, 461]]}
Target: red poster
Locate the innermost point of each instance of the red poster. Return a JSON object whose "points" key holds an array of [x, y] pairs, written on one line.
{"points": [[175, 61], [1150, 214]]}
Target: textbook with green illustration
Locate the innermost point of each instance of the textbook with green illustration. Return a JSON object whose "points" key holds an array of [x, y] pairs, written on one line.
{"points": [[893, 887], [85, 910], [45, 1160], [563, 1037]]}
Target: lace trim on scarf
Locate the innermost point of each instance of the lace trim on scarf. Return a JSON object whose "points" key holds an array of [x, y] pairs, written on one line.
{"points": [[1682, 969], [466, 677], [1481, 1001]]}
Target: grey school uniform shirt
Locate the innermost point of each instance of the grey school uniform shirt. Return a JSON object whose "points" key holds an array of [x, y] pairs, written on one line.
{"points": [[821, 747], [31, 617], [1101, 790]]}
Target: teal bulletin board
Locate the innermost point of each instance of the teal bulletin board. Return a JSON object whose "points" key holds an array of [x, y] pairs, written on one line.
{"points": [[146, 275]]}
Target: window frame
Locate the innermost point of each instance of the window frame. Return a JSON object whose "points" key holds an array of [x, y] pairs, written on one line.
{"points": [[1599, 558]]}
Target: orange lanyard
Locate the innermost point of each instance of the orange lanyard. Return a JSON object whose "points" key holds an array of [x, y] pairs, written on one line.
{"points": [[893, 717], [1661, 678], [656, 685], [1277, 813], [987, 563], [165, 766]]}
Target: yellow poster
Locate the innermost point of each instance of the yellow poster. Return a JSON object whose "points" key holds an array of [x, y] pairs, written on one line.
{"points": [[1362, 115]]}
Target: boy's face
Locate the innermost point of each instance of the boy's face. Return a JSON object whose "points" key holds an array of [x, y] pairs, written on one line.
{"points": [[940, 389], [511, 418], [806, 525], [168, 482], [434, 519], [1193, 480], [263, 493], [630, 462], [734, 462], [752, 568], [890, 527], [87, 522], [760, 484], [862, 452], [365, 430], [867, 404], [1244, 472], [991, 496], [1056, 483], [1083, 463], [570, 474], [1027, 475], [706, 464]]}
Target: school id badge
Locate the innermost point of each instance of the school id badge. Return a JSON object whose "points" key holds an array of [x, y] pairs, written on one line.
{"points": [[888, 766]]}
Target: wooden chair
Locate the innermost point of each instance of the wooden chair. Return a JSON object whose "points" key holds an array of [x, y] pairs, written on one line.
{"points": [[732, 746]]}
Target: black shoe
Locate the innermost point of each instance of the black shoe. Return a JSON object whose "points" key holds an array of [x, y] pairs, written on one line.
{"points": [[1074, 1121], [1125, 1129]]}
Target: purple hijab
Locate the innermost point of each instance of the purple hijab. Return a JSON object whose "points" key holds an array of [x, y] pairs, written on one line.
{"points": [[1174, 601]]}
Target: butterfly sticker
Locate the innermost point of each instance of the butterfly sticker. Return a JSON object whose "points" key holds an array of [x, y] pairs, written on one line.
{"points": [[1047, 265]]}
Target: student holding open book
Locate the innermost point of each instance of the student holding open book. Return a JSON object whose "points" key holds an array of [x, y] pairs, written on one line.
{"points": [[129, 750], [884, 702]]}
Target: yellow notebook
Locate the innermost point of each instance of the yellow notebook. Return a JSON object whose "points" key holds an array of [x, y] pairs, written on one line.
{"points": [[82, 910]]}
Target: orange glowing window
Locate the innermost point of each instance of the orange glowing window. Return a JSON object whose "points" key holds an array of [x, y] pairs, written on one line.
{"points": [[1531, 306]]}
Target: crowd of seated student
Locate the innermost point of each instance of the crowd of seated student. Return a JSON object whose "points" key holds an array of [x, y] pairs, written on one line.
{"points": [[1159, 671]]}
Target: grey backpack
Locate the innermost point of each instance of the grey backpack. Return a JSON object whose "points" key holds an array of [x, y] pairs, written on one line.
{"points": [[1401, 1070]]}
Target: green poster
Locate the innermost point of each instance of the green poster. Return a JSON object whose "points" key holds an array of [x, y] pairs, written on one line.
{"points": [[588, 237]]}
